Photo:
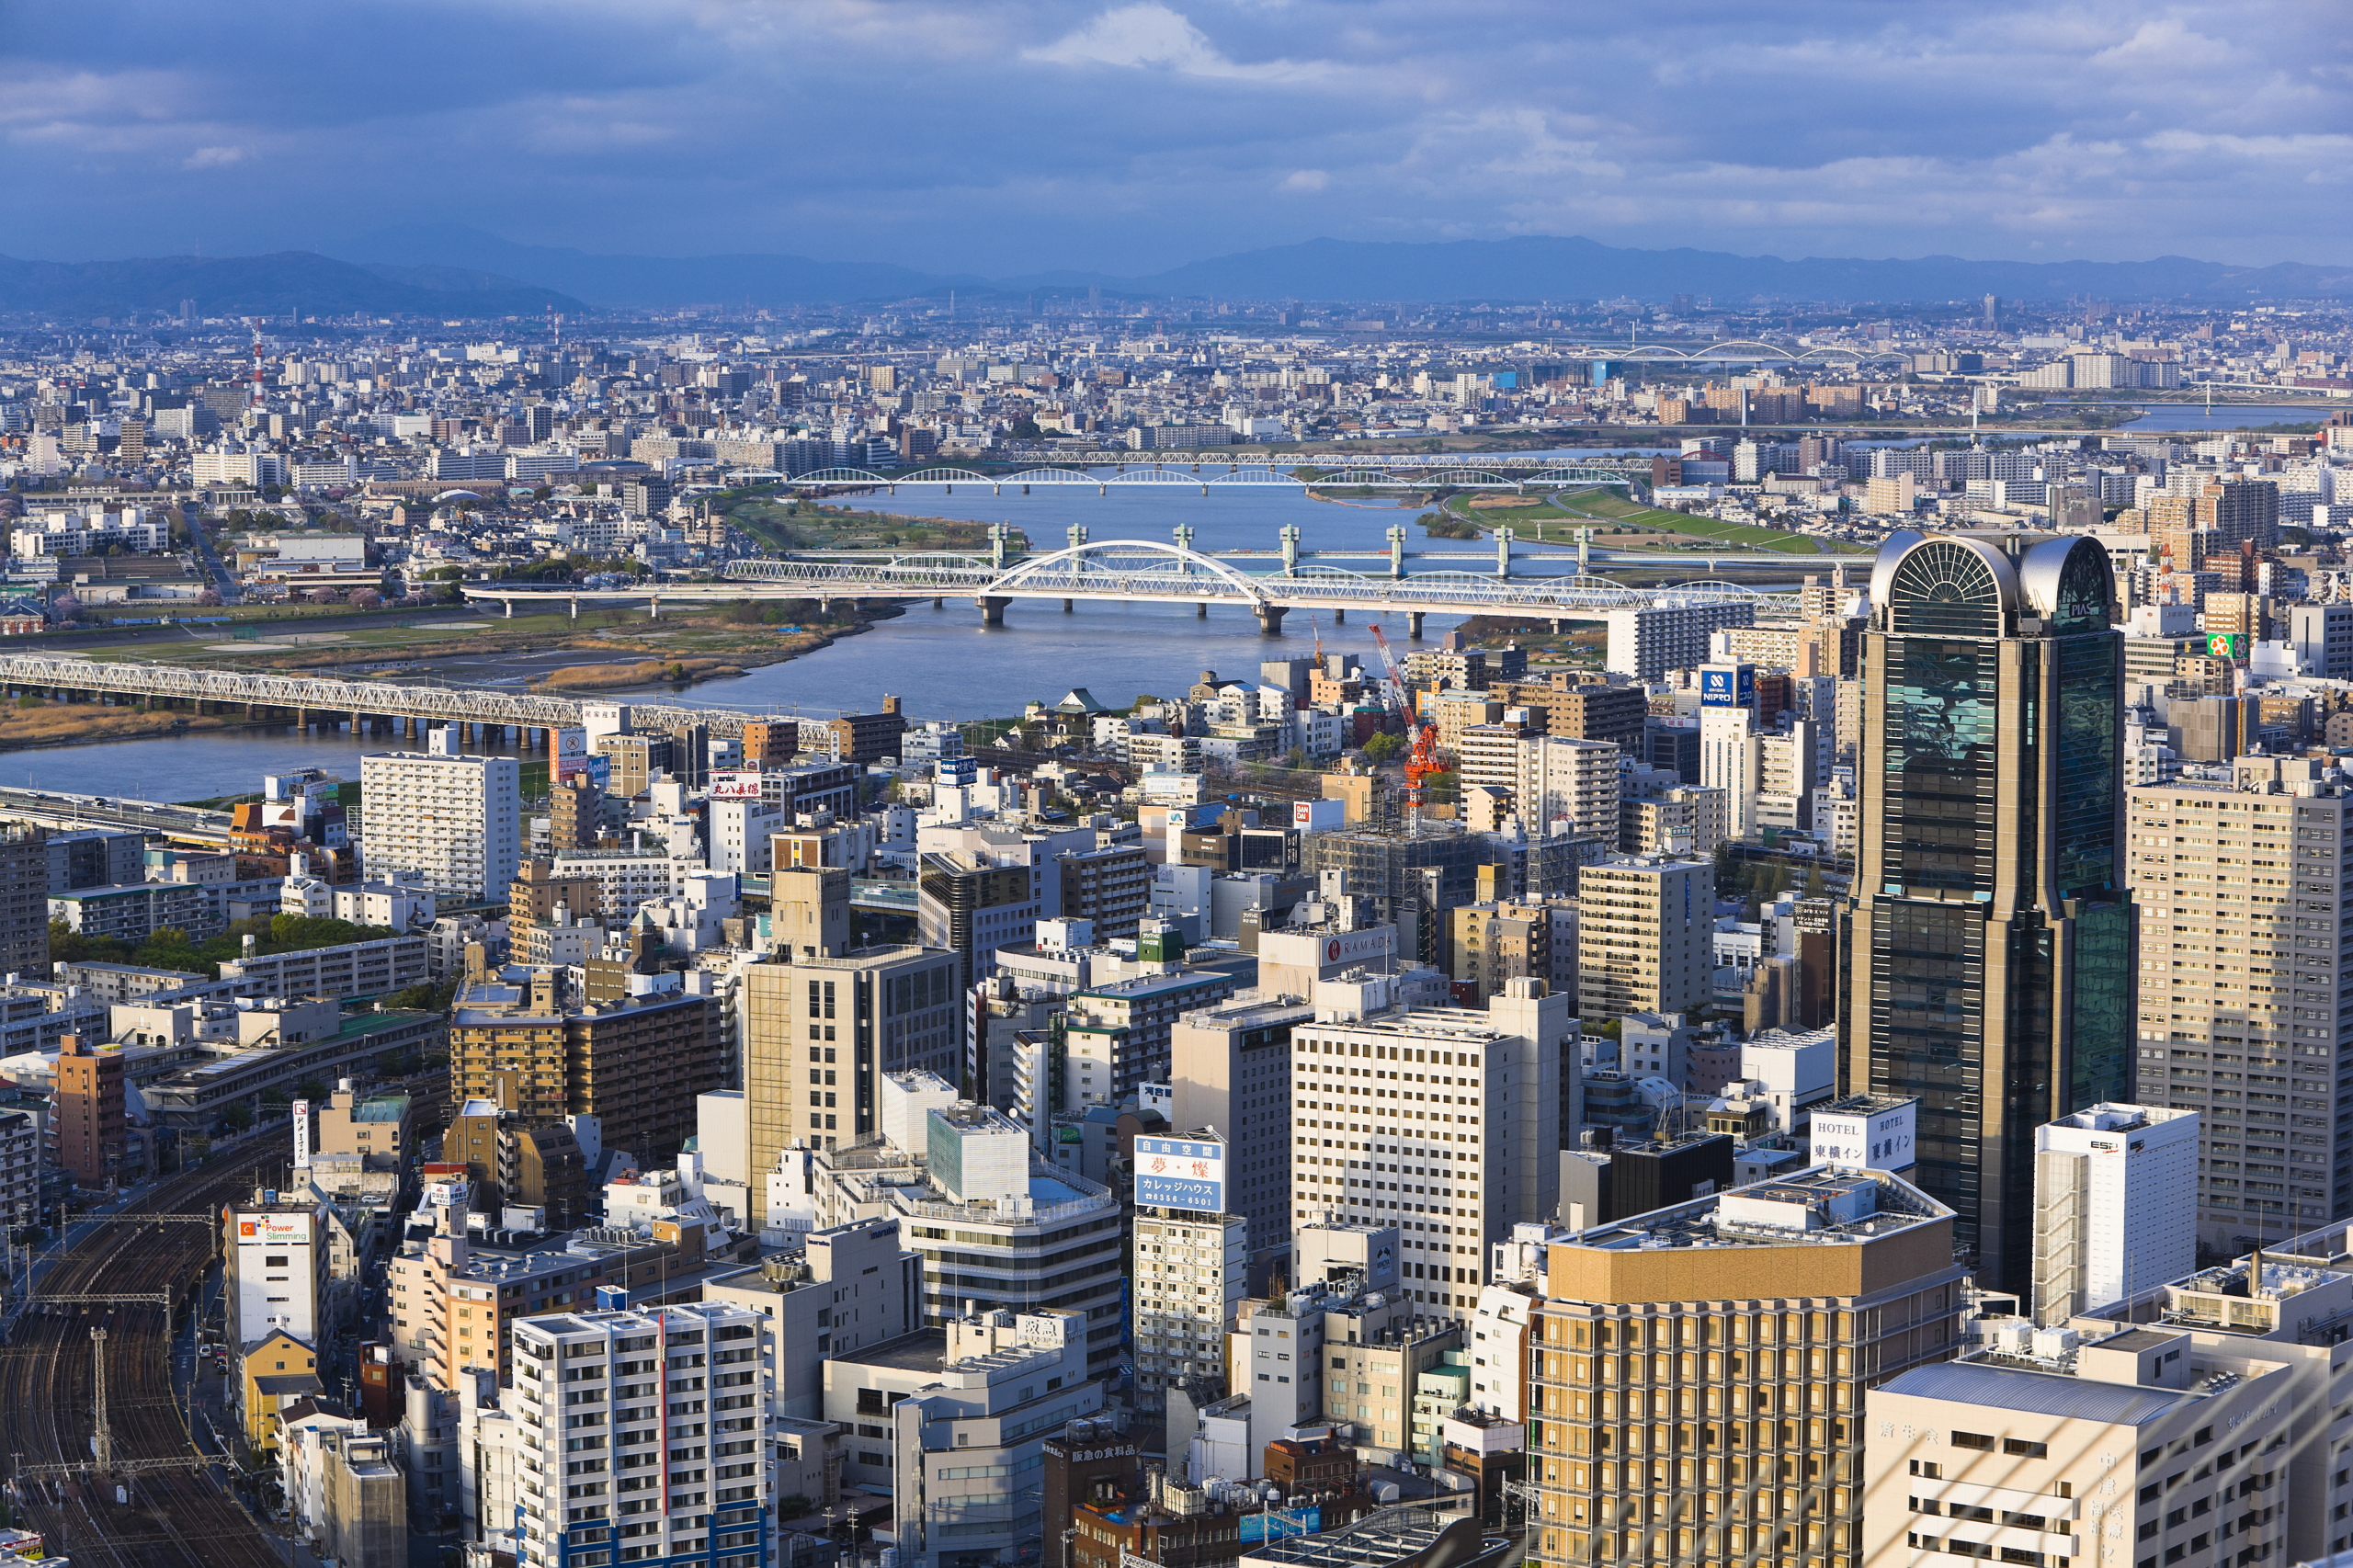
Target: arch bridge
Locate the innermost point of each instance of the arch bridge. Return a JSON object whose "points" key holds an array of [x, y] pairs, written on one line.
{"points": [[1460, 473], [1148, 572]]}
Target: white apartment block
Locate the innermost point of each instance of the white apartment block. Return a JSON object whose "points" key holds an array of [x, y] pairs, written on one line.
{"points": [[1561, 778], [1444, 1122], [2115, 1206], [454, 822], [1191, 1272], [628, 878], [2245, 1001], [1645, 936], [1731, 759], [643, 1436], [1646, 643]]}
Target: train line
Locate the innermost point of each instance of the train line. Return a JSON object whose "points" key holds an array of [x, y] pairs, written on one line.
{"points": [[172, 1518]]}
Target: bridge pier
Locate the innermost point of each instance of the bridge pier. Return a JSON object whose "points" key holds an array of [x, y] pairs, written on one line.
{"points": [[575, 609], [1069, 605], [1201, 611], [510, 608], [992, 610], [1270, 619], [1413, 625], [1339, 617], [1557, 624]]}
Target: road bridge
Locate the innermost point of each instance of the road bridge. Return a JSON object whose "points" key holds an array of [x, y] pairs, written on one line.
{"points": [[1140, 571], [371, 707], [1386, 473]]}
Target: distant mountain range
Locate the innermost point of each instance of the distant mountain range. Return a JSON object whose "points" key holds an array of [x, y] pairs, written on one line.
{"points": [[1527, 268], [452, 270], [265, 286]]}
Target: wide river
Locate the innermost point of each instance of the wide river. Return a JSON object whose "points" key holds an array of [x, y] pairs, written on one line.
{"points": [[942, 663]]}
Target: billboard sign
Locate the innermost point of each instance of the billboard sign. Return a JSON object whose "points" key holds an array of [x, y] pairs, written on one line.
{"points": [[1727, 686], [1319, 816], [735, 785], [274, 1228], [2226, 644], [1181, 1173], [302, 1133]]}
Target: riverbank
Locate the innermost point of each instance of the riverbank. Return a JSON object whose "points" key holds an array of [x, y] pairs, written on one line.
{"points": [[47, 724]]}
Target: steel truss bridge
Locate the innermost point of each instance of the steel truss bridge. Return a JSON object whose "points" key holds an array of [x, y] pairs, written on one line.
{"points": [[1454, 473], [327, 697], [1140, 571]]}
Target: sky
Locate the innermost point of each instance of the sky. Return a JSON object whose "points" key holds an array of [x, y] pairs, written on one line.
{"points": [[1003, 136]]}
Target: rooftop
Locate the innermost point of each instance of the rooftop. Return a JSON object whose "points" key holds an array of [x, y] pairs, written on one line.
{"points": [[925, 1350], [2038, 1392], [1819, 1206]]}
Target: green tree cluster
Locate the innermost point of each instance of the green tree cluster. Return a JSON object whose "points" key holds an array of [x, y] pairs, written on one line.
{"points": [[170, 947]]}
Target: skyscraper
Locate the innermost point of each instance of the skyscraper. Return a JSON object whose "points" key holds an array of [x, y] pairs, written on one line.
{"points": [[456, 821], [1988, 956]]}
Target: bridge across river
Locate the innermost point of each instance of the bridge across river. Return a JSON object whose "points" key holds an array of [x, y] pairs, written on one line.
{"points": [[370, 706], [1141, 571]]}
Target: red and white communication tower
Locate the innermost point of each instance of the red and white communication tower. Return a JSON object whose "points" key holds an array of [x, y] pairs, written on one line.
{"points": [[254, 400]]}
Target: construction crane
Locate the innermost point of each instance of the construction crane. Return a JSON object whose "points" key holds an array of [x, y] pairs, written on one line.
{"points": [[1421, 756]]}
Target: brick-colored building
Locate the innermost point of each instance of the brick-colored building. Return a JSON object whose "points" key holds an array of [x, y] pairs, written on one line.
{"points": [[91, 1134]]}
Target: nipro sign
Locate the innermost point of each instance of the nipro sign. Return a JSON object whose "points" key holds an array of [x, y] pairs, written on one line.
{"points": [[1728, 686], [1180, 1172]]}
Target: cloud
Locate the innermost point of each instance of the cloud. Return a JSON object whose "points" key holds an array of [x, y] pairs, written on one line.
{"points": [[1126, 135], [1150, 35]]}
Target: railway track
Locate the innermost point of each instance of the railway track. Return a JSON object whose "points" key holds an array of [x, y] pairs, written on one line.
{"points": [[171, 1518]]}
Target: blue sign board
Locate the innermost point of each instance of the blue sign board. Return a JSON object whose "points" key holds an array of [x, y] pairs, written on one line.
{"points": [[1728, 688]]}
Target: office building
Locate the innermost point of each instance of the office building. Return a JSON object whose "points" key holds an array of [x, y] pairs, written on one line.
{"points": [[862, 738], [2145, 1445], [2115, 1206], [1500, 940], [1645, 936], [1990, 939], [821, 1033], [1444, 1122], [654, 1488], [1698, 1372], [997, 1227], [275, 1267], [846, 1288], [1581, 710], [1687, 821], [1411, 878], [949, 1422], [1645, 643], [2240, 995], [1116, 1037], [2322, 636], [455, 822], [1230, 1069], [575, 814]]}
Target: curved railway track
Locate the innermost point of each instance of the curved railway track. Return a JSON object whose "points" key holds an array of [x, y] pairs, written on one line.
{"points": [[174, 1518]]}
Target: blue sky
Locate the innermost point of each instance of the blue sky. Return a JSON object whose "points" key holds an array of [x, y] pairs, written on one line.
{"points": [[1002, 137]]}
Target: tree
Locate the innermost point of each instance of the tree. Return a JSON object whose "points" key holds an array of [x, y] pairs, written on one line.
{"points": [[323, 596], [236, 1116], [210, 598], [1383, 749], [65, 607], [365, 598]]}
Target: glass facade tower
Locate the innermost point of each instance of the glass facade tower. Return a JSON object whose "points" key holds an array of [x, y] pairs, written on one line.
{"points": [[1987, 957]]}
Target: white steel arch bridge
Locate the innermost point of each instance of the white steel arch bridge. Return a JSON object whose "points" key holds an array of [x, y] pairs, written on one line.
{"points": [[1459, 473], [1145, 571]]}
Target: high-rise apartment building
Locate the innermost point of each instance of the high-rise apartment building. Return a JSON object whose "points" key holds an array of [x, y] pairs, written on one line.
{"points": [[1988, 940], [2115, 1206], [454, 820], [90, 1114], [1443, 1122], [1645, 643], [2240, 887], [25, 881], [1567, 780], [1697, 1373], [529, 1044], [655, 1486], [1192, 1269], [1645, 936]]}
